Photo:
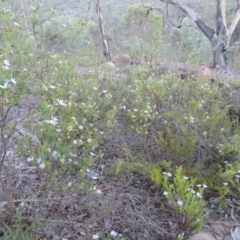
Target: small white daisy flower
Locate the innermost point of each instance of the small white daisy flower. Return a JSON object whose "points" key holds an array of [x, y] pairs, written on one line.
{"points": [[113, 233], [199, 194], [165, 193], [6, 62], [95, 236], [99, 191], [29, 159], [180, 202], [42, 165], [13, 81], [61, 103], [53, 121], [80, 127], [4, 86]]}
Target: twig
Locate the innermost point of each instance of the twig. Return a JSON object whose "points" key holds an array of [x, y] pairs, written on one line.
{"points": [[49, 220], [3, 138], [39, 200]]}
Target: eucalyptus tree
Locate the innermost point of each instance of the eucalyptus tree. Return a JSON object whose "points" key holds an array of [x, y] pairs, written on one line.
{"points": [[219, 35]]}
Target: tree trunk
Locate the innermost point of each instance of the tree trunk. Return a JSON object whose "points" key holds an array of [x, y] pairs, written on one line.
{"points": [[220, 58], [106, 50], [220, 40]]}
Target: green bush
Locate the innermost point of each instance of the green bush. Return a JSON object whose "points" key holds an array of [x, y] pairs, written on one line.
{"points": [[185, 196], [182, 122]]}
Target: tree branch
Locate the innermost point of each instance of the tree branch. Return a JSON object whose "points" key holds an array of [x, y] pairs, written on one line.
{"points": [[238, 3], [234, 22], [165, 16], [184, 7], [222, 5]]}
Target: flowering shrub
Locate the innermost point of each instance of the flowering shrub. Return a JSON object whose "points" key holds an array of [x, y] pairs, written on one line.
{"points": [[184, 196], [156, 122], [177, 123]]}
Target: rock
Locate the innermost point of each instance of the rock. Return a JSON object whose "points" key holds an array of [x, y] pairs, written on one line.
{"points": [[203, 235], [122, 60], [109, 65], [204, 74]]}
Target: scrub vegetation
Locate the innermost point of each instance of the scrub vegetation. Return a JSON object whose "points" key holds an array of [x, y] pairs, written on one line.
{"points": [[145, 148]]}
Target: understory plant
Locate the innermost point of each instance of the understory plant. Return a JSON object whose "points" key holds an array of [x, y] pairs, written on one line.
{"points": [[185, 197], [183, 122]]}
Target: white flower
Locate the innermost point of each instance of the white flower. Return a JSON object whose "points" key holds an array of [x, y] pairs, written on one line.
{"points": [[61, 102], [204, 185], [42, 165], [113, 233], [180, 202], [75, 142], [104, 91], [13, 81], [185, 177], [225, 183], [55, 154], [199, 194], [6, 62], [199, 185], [89, 140], [98, 191], [80, 127], [95, 236], [38, 160], [165, 193], [53, 121], [62, 160], [191, 190], [29, 159], [169, 174], [4, 86]]}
